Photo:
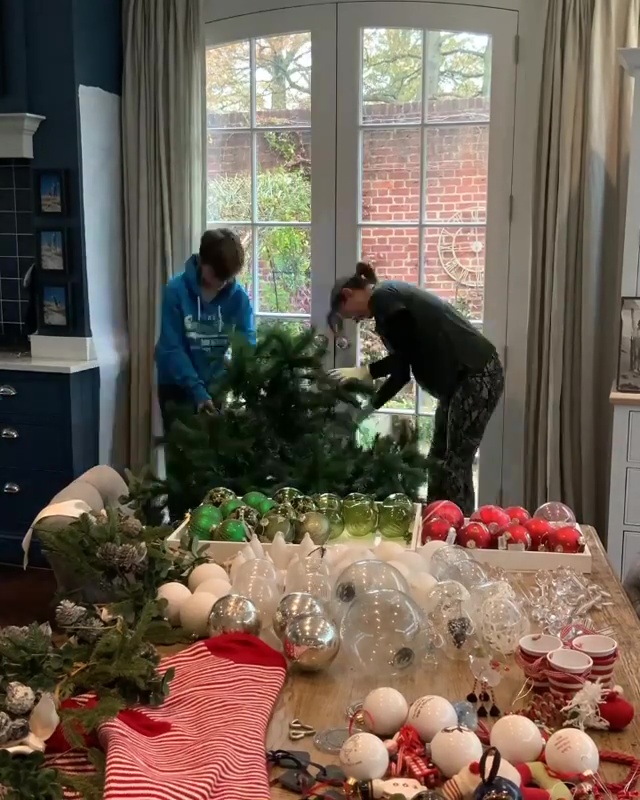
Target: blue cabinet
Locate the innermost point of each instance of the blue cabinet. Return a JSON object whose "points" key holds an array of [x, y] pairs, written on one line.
{"points": [[49, 434]]}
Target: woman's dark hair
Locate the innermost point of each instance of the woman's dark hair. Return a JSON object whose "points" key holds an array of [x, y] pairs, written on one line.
{"points": [[365, 275], [222, 250]]}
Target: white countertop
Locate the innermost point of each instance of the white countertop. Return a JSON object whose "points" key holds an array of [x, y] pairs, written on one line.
{"points": [[25, 363]]}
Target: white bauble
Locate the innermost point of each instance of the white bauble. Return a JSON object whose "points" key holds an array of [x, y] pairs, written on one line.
{"points": [[420, 585], [505, 770], [388, 551], [175, 594], [385, 711], [403, 569], [364, 757], [517, 738], [453, 749], [215, 586], [206, 572], [414, 561], [425, 551], [194, 613], [571, 751], [430, 714]]}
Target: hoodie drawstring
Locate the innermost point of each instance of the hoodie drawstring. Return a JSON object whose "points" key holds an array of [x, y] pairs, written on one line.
{"points": [[198, 308]]}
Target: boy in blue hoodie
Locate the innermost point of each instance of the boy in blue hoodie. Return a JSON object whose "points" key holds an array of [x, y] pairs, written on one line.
{"points": [[201, 308]]}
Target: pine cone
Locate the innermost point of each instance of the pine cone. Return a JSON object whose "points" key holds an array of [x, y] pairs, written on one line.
{"points": [[130, 526], [4, 791], [18, 730], [108, 554], [90, 630], [18, 634], [20, 698], [131, 555], [69, 613], [5, 725]]}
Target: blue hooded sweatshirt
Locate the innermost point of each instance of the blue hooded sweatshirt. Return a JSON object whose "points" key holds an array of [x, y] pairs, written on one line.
{"points": [[194, 334]]}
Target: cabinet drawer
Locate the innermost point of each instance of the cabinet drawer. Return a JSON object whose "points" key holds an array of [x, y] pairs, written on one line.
{"points": [[633, 448], [39, 447], [11, 550], [630, 551], [632, 497], [23, 493], [33, 394]]}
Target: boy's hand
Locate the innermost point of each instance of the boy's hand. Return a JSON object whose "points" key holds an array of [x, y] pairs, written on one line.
{"points": [[206, 407]]}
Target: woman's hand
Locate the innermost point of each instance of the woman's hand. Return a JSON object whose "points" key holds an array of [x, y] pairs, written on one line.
{"points": [[207, 407], [351, 374]]}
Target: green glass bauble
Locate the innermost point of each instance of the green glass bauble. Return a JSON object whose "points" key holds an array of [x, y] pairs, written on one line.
{"points": [[219, 496], [247, 514], [302, 504], [327, 501], [273, 524], [230, 506], [203, 521], [286, 494], [336, 523], [395, 517], [254, 499], [265, 506], [360, 515], [315, 524], [285, 509], [232, 530]]}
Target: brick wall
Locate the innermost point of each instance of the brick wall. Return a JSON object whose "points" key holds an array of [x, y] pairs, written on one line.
{"points": [[455, 177]]}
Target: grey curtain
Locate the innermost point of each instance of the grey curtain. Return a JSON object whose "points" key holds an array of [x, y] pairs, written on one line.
{"points": [[579, 201], [163, 99]]}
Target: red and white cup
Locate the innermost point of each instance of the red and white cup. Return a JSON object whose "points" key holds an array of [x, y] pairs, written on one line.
{"points": [[603, 651], [532, 651], [567, 670]]}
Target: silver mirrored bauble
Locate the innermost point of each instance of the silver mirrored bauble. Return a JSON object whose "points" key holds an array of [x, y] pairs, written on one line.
{"points": [[294, 605], [311, 642], [234, 614]]}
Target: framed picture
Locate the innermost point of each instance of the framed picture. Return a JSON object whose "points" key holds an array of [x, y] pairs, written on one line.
{"points": [[51, 249], [629, 353], [55, 307], [50, 192]]}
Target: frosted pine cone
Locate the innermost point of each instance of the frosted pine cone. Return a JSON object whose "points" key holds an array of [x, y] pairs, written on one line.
{"points": [[20, 698], [130, 526], [131, 555], [5, 726], [90, 630], [18, 730], [108, 554], [69, 614], [18, 634]]}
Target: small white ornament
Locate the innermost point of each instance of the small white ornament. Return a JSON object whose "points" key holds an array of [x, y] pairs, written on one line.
{"points": [[195, 611], [248, 553], [175, 594], [420, 585], [453, 749], [385, 711], [415, 562], [430, 714], [405, 787], [307, 546], [237, 562], [364, 757], [428, 549], [256, 545], [571, 751], [388, 551], [403, 569], [279, 552], [206, 572], [216, 586], [517, 738]]}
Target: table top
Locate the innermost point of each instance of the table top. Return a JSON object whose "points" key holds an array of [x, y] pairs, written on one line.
{"points": [[321, 699]]}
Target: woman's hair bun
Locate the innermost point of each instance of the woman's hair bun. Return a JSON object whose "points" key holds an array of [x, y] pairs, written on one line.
{"points": [[366, 271]]}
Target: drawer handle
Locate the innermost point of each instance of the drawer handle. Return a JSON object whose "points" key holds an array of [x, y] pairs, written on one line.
{"points": [[9, 433], [11, 488], [7, 391]]}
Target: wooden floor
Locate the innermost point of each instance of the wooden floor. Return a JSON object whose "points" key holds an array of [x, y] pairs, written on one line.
{"points": [[25, 596]]}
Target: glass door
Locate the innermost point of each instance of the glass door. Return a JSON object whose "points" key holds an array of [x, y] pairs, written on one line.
{"points": [[425, 143]]}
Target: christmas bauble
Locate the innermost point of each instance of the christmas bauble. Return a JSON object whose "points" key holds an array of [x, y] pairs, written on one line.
{"points": [[364, 757], [219, 495], [311, 642], [203, 521], [361, 577], [395, 516], [270, 526], [474, 535], [195, 611], [265, 506], [302, 504], [294, 605], [444, 509], [206, 572], [435, 529], [285, 509], [230, 506], [493, 517], [384, 711], [360, 515], [175, 594], [514, 536], [538, 529], [218, 588], [286, 494], [254, 499], [430, 714], [336, 523], [556, 513], [327, 501], [426, 550], [571, 751], [517, 738], [518, 514], [246, 514], [234, 614], [454, 748], [232, 530], [315, 524], [567, 539]]}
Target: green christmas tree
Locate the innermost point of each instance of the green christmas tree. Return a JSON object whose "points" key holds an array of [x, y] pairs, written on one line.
{"points": [[284, 422]]}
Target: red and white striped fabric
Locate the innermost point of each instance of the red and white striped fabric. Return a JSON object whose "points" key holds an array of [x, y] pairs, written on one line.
{"points": [[207, 740]]}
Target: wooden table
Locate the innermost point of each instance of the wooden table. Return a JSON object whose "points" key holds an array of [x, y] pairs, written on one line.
{"points": [[321, 699]]}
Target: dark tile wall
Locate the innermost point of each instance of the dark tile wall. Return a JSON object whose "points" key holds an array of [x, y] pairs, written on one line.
{"points": [[17, 244]]}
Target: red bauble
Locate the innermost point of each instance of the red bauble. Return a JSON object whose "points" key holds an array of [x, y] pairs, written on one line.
{"points": [[514, 534], [517, 514], [565, 540], [538, 530], [436, 529], [617, 711], [493, 517], [444, 509], [474, 535]]}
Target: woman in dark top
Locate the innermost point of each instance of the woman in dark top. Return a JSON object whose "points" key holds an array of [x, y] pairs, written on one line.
{"points": [[448, 358]]}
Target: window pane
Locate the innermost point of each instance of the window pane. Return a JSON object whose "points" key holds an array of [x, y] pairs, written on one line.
{"points": [[454, 267], [228, 176], [391, 75], [229, 86], [283, 80], [245, 278], [427, 403], [458, 76], [293, 326], [284, 265], [394, 252], [370, 348], [284, 176], [391, 175], [456, 173]]}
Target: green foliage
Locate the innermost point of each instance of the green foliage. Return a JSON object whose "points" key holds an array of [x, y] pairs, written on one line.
{"points": [[285, 423], [28, 778]]}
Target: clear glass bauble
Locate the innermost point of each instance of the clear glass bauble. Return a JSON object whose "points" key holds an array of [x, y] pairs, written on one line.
{"points": [[445, 560], [444, 599], [360, 515], [395, 516], [556, 513], [264, 594], [458, 631], [362, 577], [502, 624], [254, 568]]}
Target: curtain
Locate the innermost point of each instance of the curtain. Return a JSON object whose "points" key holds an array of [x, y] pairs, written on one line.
{"points": [[163, 99], [578, 226]]}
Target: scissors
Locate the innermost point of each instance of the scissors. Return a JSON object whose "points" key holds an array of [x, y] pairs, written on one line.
{"points": [[298, 730]]}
